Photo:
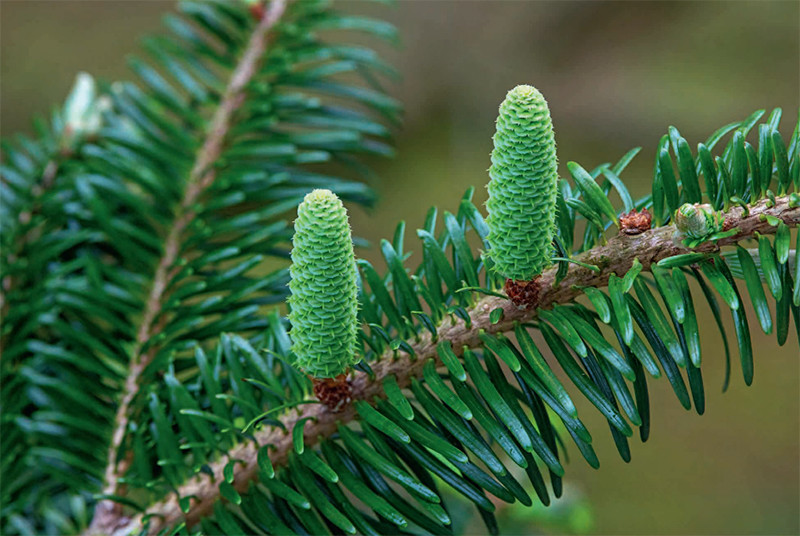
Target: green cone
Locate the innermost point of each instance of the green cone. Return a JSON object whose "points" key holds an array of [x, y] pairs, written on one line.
{"points": [[324, 294], [698, 221], [523, 186]]}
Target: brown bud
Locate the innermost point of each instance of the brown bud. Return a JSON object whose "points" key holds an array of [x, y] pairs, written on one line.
{"points": [[523, 293], [635, 222], [257, 10], [335, 393]]}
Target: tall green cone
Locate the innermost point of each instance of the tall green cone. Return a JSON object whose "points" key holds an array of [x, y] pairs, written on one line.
{"points": [[324, 294], [523, 186]]}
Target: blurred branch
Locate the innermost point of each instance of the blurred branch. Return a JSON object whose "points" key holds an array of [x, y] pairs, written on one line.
{"points": [[201, 177]]}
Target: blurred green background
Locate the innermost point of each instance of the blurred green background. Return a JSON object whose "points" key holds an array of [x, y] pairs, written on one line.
{"points": [[616, 75]]}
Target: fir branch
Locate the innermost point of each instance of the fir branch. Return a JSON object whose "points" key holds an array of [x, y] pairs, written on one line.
{"points": [[22, 237], [20, 243], [59, 145], [615, 257], [202, 176]]}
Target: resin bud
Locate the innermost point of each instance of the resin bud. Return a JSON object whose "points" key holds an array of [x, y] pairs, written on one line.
{"points": [[324, 294], [523, 186], [698, 221]]}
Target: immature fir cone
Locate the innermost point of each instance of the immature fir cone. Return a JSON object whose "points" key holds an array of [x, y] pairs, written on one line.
{"points": [[324, 294], [698, 221], [523, 186]]}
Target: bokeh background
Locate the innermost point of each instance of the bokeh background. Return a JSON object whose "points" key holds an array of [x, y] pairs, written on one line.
{"points": [[616, 74]]}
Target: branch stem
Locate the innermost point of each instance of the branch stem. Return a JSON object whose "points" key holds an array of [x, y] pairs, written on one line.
{"points": [[202, 175], [615, 257]]}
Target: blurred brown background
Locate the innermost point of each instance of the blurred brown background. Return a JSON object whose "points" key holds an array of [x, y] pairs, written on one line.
{"points": [[616, 74]]}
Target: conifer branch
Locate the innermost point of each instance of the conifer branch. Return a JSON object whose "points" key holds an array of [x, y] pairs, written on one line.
{"points": [[202, 176], [614, 257], [9, 283]]}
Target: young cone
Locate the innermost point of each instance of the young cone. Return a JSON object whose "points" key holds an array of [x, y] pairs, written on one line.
{"points": [[324, 294], [523, 186]]}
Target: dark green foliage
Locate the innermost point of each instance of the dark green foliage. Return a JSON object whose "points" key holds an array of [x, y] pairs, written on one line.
{"points": [[103, 201], [478, 422], [465, 422]]}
